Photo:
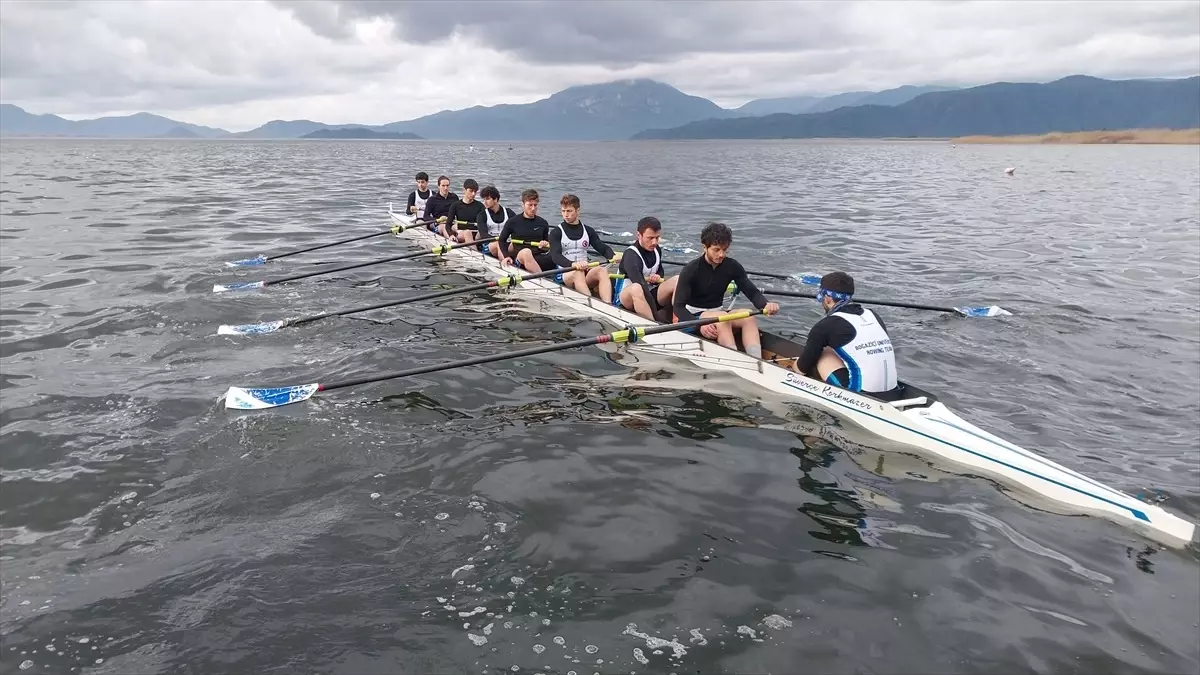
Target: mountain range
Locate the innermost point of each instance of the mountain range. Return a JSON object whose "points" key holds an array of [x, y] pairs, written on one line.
{"points": [[648, 109], [1076, 103]]}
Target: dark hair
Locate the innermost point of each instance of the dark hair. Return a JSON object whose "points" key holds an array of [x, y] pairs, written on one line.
{"points": [[470, 184], [838, 282], [489, 192], [649, 223], [716, 234], [421, 175], [529, 195], [569, 200], [443, 178]]}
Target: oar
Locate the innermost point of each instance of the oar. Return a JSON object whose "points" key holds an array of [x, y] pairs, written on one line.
{"points": [[991, 310], [804, 278], [261, 259], [273, 397], [435, 250], [272, 326]]}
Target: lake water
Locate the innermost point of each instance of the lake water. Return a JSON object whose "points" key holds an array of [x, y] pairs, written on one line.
{"points": [[566, 513]]}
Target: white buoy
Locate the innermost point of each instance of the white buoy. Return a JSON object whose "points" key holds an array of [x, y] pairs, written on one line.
{"points": [[1010, 170]]}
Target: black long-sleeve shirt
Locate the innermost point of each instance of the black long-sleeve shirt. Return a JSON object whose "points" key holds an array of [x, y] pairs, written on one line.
{"points": [[438, 206], [832, 332], [575, 233], [703, 286], [461, 212], [526, 229]]}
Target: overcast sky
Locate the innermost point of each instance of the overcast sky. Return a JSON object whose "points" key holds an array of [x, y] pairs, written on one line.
{"points": [[239, 64]]}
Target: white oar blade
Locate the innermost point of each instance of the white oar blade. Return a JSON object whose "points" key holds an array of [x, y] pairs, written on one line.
{"points": [[251, 328], [807, 278], [991, 310], [268, 397], [238, 286], [247, 262]]}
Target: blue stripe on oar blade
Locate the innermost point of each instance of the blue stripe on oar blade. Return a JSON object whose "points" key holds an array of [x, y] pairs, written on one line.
{"points": [[268, 397], [248, 262], [992, 310]]}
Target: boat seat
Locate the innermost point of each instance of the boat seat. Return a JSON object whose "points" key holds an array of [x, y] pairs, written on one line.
{"points": [[909, 402]]}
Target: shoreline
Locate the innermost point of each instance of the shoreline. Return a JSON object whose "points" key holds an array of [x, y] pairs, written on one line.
{"points": [[1105, 137]]}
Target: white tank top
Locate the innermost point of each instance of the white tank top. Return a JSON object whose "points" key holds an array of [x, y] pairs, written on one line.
{"points": [[647, 270], [420, 203], [575, 251], [494, 227], [868, 357]]}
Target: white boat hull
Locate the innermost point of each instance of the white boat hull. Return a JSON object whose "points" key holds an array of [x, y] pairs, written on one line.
{"points": [[932, 428]]}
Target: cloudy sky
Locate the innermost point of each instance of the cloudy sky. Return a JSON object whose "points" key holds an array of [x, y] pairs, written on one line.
{"points": [[239, 64]]}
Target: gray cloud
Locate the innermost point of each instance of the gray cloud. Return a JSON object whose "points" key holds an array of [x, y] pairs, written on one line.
{"points": [[241, 64], [615, 33]]}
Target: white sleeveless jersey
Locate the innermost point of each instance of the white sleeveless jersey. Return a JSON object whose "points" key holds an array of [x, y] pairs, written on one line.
{"points": [[420, 203], [493, 226], [647, 270], [575, 251], [868, 357]]}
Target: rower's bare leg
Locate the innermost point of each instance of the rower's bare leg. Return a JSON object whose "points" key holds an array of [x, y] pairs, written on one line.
{"points": [[466, 236], [632, 297], [666, 291], [576, 281], [525, 257], [598, 277], [444, 229], [494, 248], [724, 330], [751, 342], [829, 362]]}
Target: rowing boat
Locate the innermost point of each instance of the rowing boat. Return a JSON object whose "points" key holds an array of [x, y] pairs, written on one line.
{"points": [[919, 420]]}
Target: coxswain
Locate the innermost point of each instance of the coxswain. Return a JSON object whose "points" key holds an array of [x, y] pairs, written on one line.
{"points": [[492, 219], [437, 207], [460, 221], [850, 347], [701, 290], [646, 290], [418, 197], [569, 245], [533, 253]]}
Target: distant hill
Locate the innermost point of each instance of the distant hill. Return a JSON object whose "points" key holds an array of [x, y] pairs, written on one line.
{"points": [[15, 121], [1076, 103], [810, 104], [180, 132], [359, 133], [284, 129], [610, 111]]}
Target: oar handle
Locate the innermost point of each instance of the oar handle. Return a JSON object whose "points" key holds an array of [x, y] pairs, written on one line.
{"points": [[627, 335], [883, 303]]}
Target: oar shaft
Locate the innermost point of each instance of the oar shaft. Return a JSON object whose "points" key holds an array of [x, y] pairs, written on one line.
{"points": [[329, 245], [503, 281], [618, 336], [441, 248], [883, 303], [769, 275]]}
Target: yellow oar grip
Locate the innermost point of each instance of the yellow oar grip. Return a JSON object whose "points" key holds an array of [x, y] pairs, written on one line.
{"points": [[744, 314]]}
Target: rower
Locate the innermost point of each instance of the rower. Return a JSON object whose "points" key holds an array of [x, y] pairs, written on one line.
{"points": [[492, 219], [417, 198], [438, 205], [646, 290], [460, 221], [569, 244], [701, 290], [850, 347], [531, 230]]}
